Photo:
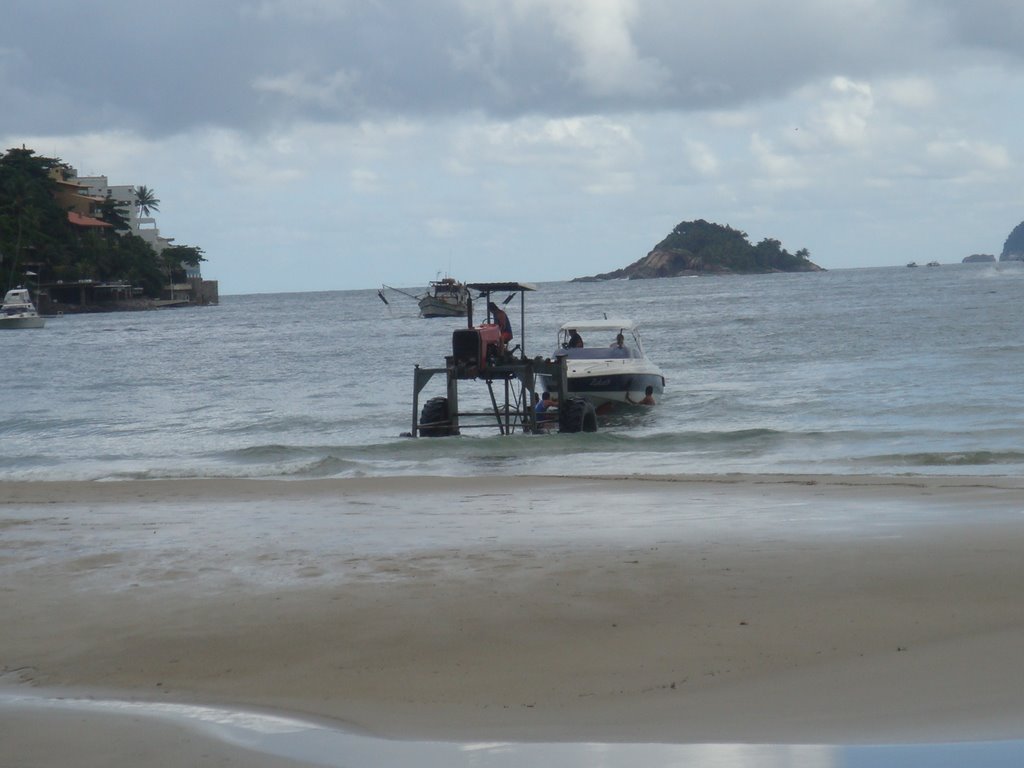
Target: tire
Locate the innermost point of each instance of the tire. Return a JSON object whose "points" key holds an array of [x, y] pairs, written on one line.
{"points": [[435, 415], [577, 415]]}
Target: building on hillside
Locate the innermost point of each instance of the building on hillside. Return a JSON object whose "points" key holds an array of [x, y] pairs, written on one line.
{"points": [[73, 196], [124, 195], [82, 196]]}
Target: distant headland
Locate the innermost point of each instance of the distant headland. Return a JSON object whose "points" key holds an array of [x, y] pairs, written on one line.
{"points": [[82, 244], [702, 248], [1013, 249]]}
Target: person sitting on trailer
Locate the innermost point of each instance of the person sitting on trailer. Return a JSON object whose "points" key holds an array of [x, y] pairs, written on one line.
{"points": [[502, 321], [545, 403], [546, 409]]}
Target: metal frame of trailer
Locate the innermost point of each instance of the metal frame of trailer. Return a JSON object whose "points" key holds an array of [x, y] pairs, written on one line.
{"points": [[510, 376]]}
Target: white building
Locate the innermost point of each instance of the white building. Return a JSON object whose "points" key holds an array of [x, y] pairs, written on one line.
{"points": [[124, 195], [196, 289]]}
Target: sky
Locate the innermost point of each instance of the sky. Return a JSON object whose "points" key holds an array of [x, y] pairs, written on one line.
{"points": [[342, 144]]}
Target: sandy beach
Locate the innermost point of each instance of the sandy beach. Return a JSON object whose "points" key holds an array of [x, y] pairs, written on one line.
{"points": [[739, 609]]}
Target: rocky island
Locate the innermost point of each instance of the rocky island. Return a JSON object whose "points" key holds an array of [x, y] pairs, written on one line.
{"points": [[701, 247], [1013, 248]]}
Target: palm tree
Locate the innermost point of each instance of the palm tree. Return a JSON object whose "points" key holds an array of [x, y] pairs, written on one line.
{"points": [[146, 200]]}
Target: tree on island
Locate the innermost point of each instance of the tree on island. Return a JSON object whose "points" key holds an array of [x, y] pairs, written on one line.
{"points": [[701, 247]]}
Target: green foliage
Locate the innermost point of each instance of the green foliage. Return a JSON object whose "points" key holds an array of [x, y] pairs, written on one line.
{"points": [[112, 212], [184, 254], [714, 247], [31, 222], [174, 258], [34, 230]]}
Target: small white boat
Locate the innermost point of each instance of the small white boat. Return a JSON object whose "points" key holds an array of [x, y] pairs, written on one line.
{"points": [[611, 365], [447, 297], [18, 311]]}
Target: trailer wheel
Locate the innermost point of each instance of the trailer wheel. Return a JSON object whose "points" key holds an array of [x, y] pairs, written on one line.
{"points": [[577, 415], [435, 416]]}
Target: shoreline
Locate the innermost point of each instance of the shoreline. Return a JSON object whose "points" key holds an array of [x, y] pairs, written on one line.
{"points": [[739, 609], [247, 487]]}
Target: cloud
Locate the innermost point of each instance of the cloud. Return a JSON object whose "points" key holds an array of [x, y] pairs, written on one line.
{"points": [[158, 68], [911, 92], [778, 169], [326, 93], [701, 158], [607, 61], [967, 160], [989, 25], [844, 118], [536, 131]]}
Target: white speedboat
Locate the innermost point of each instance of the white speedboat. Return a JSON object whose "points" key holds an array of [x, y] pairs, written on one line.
{"points": [[18, 311], [610, 366]]}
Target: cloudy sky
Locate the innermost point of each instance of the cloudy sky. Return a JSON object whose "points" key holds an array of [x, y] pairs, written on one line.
{"points": [[337, 144]]}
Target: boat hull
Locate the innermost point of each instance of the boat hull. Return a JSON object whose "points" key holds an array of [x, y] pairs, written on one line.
{"points": [[434, 307], [28, 321], [612, 381], [616, 388]]}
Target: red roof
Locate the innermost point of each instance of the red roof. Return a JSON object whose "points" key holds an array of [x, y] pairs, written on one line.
{"points": [[86, 221]]}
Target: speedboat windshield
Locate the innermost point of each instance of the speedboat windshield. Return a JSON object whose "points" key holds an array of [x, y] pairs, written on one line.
{"points": [[600, 339]]}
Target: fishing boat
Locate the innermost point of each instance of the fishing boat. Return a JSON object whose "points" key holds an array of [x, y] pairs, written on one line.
{"points": [[18, 311], [446, 297], [606, 362]]}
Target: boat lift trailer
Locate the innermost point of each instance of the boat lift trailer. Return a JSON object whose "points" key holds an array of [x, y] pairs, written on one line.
{"points": [[514, 408], [477, 355]]}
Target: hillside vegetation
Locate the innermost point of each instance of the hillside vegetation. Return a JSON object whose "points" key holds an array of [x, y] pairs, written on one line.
{"points": [[38, 243], [701, 247]]}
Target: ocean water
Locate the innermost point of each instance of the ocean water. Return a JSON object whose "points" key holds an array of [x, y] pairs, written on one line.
{"points": [[880, 371]]}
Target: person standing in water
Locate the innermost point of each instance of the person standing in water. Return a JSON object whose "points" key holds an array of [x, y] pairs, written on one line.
{"points": [[648, 398]]}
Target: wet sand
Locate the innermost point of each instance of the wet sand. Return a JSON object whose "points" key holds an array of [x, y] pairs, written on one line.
{"points": [[748, 609]]}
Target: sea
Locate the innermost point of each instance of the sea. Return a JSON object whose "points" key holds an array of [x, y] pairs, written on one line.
{"points": [[886, 371]]}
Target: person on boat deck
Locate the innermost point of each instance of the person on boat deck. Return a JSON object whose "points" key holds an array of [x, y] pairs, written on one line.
{"points": [[620, 340], [648, 398], [502, 321], [575, 340]]}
